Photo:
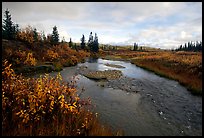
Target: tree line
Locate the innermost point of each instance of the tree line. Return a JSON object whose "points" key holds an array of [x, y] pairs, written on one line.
{"points": [[190, 46], [11, 31]]}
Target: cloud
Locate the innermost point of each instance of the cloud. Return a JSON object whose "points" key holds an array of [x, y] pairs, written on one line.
{"points": [[168, 37], [47, 10], [158, 24]]}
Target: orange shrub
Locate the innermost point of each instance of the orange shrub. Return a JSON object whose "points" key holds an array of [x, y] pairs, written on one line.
{"points": [[18, 57], [30, 60], [42, 106], [26, 35], [51, 55], [65, 55]]}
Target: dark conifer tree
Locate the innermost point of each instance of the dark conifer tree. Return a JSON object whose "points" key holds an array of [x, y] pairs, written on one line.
{"points": [[135, 47], [90, 42], [95, 44], [55, 35], [70, 43], [185, 47], [75, 47], [191, 46], [180, 48], [83, 42], [141, 48], [9, 30], [35, 35]]}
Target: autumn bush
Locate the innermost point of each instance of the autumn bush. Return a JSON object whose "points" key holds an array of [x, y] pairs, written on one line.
{"points": [[51, 55], [31, 47], [30, 60], [45, 106], [65, 55], [58, 66], [22, 58], [27, 35], [18, 57], [22, 55]]}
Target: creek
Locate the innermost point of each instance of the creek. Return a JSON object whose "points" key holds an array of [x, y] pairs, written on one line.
{"points": [[140, 103]]}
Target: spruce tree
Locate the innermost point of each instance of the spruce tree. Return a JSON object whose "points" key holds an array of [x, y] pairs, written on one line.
{"points": [[90, 42], [135, 46], [95, 44], [185, 47], [70, 43], [9, 30], [83, 42], [35, 35], [180, 48], [55, 35], [75, 47]]}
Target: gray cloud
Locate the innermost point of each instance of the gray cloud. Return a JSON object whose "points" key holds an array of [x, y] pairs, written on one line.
{"points": [[163, 24]]}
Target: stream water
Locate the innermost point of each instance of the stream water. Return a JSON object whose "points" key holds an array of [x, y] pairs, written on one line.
{"points": [[160, 106]]}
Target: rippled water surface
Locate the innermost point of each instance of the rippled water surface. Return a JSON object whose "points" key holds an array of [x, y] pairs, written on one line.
{"points": [[160, 107]]}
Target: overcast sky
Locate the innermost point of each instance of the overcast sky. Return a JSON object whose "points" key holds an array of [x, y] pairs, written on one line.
{"points": [[157, 24]]}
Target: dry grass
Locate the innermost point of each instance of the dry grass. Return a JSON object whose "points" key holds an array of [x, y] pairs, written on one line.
{"points": [[185, 67]]}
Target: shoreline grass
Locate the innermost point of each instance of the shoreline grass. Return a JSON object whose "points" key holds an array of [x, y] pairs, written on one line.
{"points": [[184, 67], [194, 89]]}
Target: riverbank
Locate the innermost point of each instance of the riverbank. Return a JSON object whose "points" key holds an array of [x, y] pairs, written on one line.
{"points": [[167, 107], [185, 67]]}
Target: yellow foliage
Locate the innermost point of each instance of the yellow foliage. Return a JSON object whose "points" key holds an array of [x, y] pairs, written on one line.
{"points": [[30, 60], [26, 35], [51, 55], [34, 100]]}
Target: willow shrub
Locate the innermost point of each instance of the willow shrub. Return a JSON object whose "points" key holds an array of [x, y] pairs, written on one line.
{"points": [[43, 106]]}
